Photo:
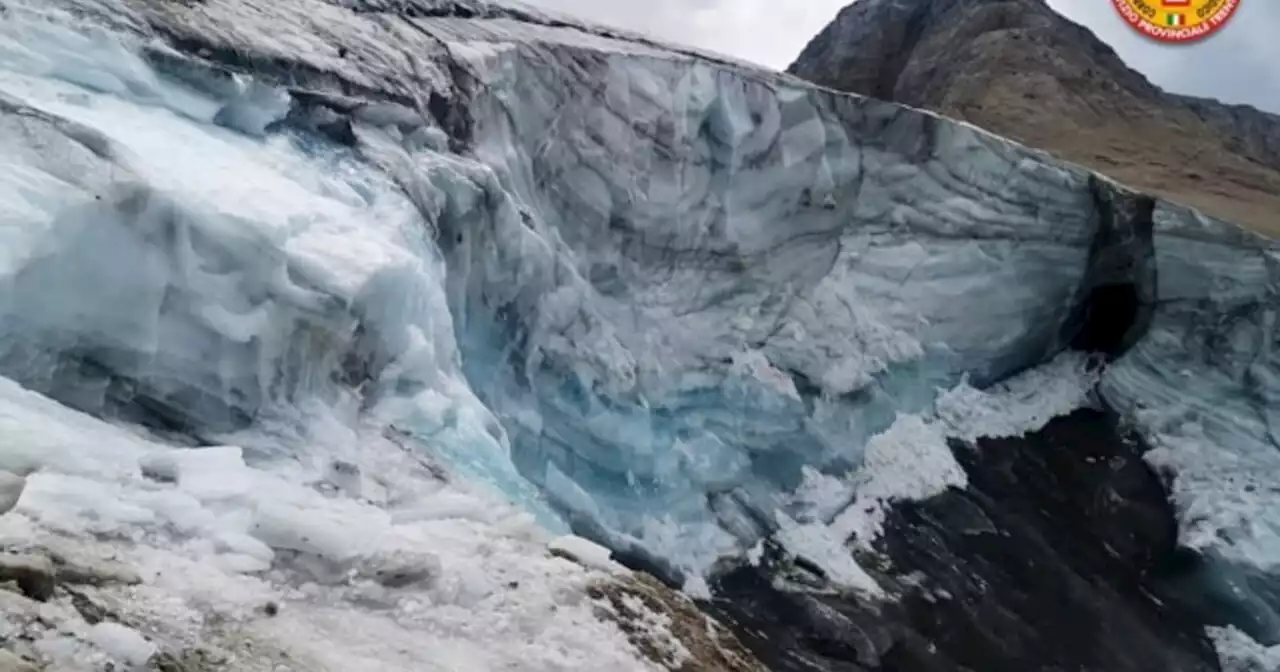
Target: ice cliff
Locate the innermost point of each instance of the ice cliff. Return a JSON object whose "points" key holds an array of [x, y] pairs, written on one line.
{"points": [[656, 298]]}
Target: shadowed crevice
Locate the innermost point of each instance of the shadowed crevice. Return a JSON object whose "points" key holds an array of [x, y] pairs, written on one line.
{"points": [[1116, 300]]}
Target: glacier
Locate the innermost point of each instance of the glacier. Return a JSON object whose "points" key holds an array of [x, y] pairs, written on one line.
{"points": [[655, 298], [544, 296], [186, 311]]}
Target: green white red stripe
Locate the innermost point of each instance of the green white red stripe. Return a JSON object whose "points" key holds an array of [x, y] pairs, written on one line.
{"points": [[1174, 19]]}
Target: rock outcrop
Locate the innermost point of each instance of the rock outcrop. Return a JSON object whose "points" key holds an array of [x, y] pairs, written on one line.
{"points": [[1021, 70]]}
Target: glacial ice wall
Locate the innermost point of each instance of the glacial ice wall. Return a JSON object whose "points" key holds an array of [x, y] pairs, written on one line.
{"points": [[654, 289], [167, 274], [709, 281], [165, 271], [1203, 385], [668, 341]]}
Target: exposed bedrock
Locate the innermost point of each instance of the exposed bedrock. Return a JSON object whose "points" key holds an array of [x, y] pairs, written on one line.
{"points": [[1059, 555]]}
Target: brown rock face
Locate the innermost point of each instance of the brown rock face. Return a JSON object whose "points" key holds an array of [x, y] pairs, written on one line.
{"points": [[1021, 70], [669, 629]]}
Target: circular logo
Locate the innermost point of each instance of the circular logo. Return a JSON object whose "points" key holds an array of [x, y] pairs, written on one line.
{"points": [[1176, 20]]}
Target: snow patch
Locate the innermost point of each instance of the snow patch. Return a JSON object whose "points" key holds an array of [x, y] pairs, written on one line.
{"points": [[124, 645], [1019, 405], [825, 547], [1213, 488], [1241, 653], [909, 461], [821, 496]]}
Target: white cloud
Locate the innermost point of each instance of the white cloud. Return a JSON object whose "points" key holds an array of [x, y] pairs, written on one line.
{"points": [[769, 32], [1236, 65]]}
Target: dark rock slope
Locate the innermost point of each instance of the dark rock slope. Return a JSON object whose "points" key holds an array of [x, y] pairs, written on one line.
{"points": [[1018, 68], [1057, 557]]}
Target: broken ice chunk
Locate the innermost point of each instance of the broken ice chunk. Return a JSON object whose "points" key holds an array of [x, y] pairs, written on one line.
{"points": [[310, 531], [205, 473], [584, 552], [123, 644]]}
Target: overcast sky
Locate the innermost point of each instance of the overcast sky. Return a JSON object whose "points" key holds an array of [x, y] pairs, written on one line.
{"points": [[1241, 64]]}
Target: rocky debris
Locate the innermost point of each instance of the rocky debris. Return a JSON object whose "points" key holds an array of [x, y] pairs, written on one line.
{"points": [[45, 617], [669, 628], [192, 660], [223, 645], [39, 569], [94, 626], [1001, 64], [18, 608], [84, 572], [400, 569], [413, 447], [62, 602], [89, 609], [34, 575], [662, 623]]}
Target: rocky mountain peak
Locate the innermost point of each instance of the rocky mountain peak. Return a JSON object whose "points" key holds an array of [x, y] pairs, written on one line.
{"points": [[1020, 69]]}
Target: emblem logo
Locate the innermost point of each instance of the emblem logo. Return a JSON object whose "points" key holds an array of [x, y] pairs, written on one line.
{"points": [[1176, 20]]}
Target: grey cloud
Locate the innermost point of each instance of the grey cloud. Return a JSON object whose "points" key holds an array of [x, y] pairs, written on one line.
{"points": [[1237, 65]]}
